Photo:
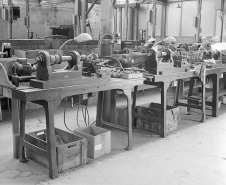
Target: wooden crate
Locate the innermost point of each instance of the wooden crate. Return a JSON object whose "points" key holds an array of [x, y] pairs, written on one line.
{"points": [[150, 115], [71, 153]]}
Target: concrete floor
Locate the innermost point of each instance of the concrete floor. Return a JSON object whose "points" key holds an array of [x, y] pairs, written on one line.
{"points": [[195, 154]]}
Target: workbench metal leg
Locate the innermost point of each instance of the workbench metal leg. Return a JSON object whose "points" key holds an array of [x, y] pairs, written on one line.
{"points": [[51, 153], [134, 106], [215, 79], [15, 128], [164, 87], [22, 131], [176, 97], [190, 92], [99, 108], [113, 107], [203, 79], [129, 114]]}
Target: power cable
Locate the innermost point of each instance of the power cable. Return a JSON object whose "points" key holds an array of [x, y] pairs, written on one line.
{"points": [[65, 108]]}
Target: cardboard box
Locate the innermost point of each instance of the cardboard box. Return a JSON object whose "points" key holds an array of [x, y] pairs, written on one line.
{"points": [[99, 140], [150, 115], [71, 149]]}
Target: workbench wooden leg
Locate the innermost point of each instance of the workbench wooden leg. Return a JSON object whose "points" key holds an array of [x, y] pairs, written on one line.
{"points": [[51, 153], [215, 79], [22, 131], [113, 107], [99, 108], [129, 114], [164, 88], [15, 128], [134, 106]]}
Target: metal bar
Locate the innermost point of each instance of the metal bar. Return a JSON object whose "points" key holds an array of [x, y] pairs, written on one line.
{"points": [[90, 8], [189, 105], [114, 126]]}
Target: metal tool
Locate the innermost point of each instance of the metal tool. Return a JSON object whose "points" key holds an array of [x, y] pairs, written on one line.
{"points": [[71, 74], [22, 71], [162, 62], [5, 53]]}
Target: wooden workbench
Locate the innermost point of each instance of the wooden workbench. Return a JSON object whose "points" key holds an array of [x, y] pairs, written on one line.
{"points": [[164, 81], [51, 98]]}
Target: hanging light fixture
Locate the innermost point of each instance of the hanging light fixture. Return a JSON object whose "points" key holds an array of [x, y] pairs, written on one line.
{"points": [[178, 6]]}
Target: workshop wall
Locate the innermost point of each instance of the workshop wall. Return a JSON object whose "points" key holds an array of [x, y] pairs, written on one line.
{"points": [[189, 11], [46, 15]]}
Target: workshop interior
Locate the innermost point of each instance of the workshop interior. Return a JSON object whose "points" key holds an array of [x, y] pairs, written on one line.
{"points": [[113, 92]]}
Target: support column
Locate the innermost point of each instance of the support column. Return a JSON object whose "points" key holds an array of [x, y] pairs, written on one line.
{"points": [[153, 18], [163, 24], [28, 18], [84, 5], [126, 21], [222, 20], [181, 14], [120, 21], [198, 28], [106, 28], [10, 22], [106, 16], [135, 23], [130, 23], [115, 19]]}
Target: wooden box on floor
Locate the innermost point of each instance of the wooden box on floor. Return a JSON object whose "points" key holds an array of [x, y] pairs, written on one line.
{"points": [[99, 140], [150, 115], [71, 149]]}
